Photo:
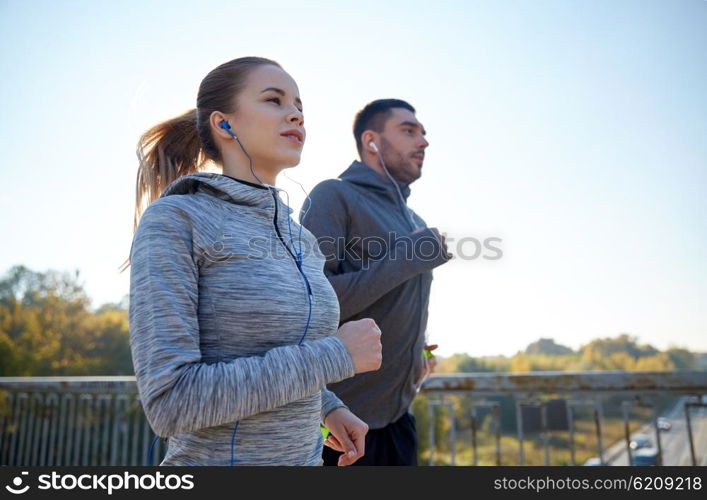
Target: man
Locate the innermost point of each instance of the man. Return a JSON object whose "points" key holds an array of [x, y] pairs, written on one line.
{"points": [[380, 257]]}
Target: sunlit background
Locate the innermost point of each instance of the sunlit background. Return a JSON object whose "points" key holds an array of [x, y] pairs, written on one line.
{"points": [[573, 131]]}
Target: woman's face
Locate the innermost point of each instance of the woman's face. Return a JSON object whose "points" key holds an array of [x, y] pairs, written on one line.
{"points": [[269, 120]]}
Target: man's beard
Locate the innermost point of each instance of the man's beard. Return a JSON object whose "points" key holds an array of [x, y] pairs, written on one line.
{"points": [[396, 163]]}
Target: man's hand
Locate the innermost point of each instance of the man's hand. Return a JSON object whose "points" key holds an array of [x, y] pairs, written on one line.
{"points": [[429, 363], [443, 240], [442, 237], [347, 435]]}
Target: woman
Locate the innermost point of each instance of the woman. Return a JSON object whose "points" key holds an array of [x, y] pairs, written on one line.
{"points": [[233, 326]]}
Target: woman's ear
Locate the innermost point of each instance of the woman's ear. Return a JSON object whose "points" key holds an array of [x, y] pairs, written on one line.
{"points": [[219, 125]]}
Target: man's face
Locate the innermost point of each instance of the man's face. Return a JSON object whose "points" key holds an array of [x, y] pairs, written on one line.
{"points": [[403, 145]]}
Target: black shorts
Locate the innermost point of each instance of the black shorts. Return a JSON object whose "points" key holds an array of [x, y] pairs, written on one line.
{"points": [[394, 444]]}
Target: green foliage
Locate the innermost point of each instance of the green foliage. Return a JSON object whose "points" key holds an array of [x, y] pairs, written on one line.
{"points": [[622, 353], [547, 346], [682, 359], [47, 328], [463, 363]]}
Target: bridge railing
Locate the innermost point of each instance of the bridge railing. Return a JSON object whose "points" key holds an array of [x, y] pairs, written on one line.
{"points": [[74, 421], [99, 420], [543, 402]]}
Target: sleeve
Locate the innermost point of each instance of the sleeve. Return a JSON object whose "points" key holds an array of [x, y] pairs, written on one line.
{"points": [[328, 220], [179, 393], [330, 402]]}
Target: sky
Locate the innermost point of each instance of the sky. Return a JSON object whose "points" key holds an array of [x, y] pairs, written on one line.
{"points": [[574, 131]]}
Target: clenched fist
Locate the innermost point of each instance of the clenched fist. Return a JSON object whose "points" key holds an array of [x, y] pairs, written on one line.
{"points": [[362, 339]]}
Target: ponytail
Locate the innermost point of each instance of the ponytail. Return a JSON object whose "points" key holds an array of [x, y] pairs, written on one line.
{"points": [[165, 152]]}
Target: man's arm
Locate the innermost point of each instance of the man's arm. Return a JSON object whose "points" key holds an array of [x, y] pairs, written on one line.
{"points": [[328, 219]]}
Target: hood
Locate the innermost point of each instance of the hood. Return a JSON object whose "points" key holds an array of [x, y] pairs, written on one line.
{"points": [[228, 189], [363, 175]]}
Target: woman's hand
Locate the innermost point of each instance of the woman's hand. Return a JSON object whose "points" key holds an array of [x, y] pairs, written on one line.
{"points": [[347, 435], [362, 339]]}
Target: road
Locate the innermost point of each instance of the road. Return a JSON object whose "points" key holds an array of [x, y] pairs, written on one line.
{"points": [[675, 443]]}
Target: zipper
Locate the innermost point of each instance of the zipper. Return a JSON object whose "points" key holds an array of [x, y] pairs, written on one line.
{"points": [[298, 263], [407, 213]]}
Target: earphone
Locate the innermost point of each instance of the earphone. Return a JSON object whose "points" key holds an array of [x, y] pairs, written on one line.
{"points": [[408, 212], [227, 127], [298, 253]]}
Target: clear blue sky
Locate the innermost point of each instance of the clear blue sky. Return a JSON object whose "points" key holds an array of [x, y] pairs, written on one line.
{"points": [[573, 130]]}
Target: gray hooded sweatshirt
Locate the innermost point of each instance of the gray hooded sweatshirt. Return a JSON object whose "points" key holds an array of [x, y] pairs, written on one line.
{"points": [[218, 305], [380, 258]]}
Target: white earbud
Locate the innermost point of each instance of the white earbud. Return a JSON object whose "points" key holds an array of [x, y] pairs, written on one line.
{"points": [[373, 146]]}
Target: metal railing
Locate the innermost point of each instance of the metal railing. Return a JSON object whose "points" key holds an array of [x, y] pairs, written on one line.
{"points": [[571, 391], [74, 421], [99, 420]]}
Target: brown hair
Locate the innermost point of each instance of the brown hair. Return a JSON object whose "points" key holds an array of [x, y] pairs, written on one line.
{"points": [[373, 117], [182, 145]]}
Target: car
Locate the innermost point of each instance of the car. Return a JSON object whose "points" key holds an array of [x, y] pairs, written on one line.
{"points": [[664, 424], [640, 441], [645, 456], [592, 461]]}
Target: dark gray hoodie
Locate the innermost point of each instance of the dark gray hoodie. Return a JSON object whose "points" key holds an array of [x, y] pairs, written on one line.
{"points": [[380, 270], [218, 306]]}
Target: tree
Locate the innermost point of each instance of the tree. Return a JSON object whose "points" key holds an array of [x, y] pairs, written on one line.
{"points": [[602, 348], [46, 328], [682, 358], [547, 346]]}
